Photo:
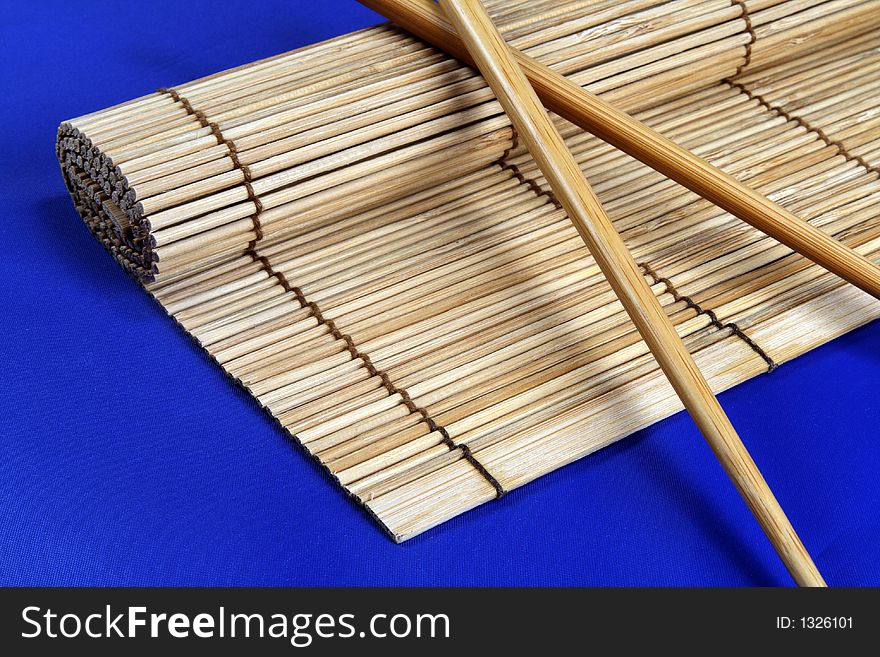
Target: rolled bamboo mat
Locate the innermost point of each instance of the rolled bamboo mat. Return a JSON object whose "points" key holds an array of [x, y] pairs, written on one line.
{"points": [[353, 232]]}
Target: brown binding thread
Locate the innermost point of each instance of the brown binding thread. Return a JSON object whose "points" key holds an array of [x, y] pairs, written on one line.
{"points": [[383, 376], [713, 318], [392, 389], [752, 36], [688, 301], [806, 125], [779, 110], [233, 155], [529, 182]]}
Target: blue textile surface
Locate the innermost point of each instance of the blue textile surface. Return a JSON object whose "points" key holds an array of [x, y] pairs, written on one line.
{"points": [[128, 458]]}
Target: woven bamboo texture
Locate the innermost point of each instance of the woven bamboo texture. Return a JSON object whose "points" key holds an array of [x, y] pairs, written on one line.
{"points": [[353, 232]]}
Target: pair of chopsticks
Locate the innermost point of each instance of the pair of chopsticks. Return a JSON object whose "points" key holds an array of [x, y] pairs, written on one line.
{"points": [[517, 81]]}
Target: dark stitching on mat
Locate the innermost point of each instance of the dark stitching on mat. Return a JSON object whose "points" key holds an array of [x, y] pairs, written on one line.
{"points": [[514, 142], [233, 155], [313, 307], [713, 318], [752, 36], [392, 389], [535, 187], [841, 149]]}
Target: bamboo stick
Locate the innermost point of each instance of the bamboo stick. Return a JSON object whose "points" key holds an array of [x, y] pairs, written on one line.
{"points": [[493, 58]]}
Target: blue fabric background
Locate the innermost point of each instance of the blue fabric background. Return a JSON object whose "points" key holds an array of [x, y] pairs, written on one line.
{"points": [[129, 459]]}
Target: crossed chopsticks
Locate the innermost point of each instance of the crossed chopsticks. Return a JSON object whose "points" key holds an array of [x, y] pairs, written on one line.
{"points": [[518, 82]]}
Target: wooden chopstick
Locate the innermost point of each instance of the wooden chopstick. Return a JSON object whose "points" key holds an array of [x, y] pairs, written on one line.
{"points": [[493, 58], [424, 19]]}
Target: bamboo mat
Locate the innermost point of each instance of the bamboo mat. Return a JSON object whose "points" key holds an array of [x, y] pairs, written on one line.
{"points": [[353, 233]]}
